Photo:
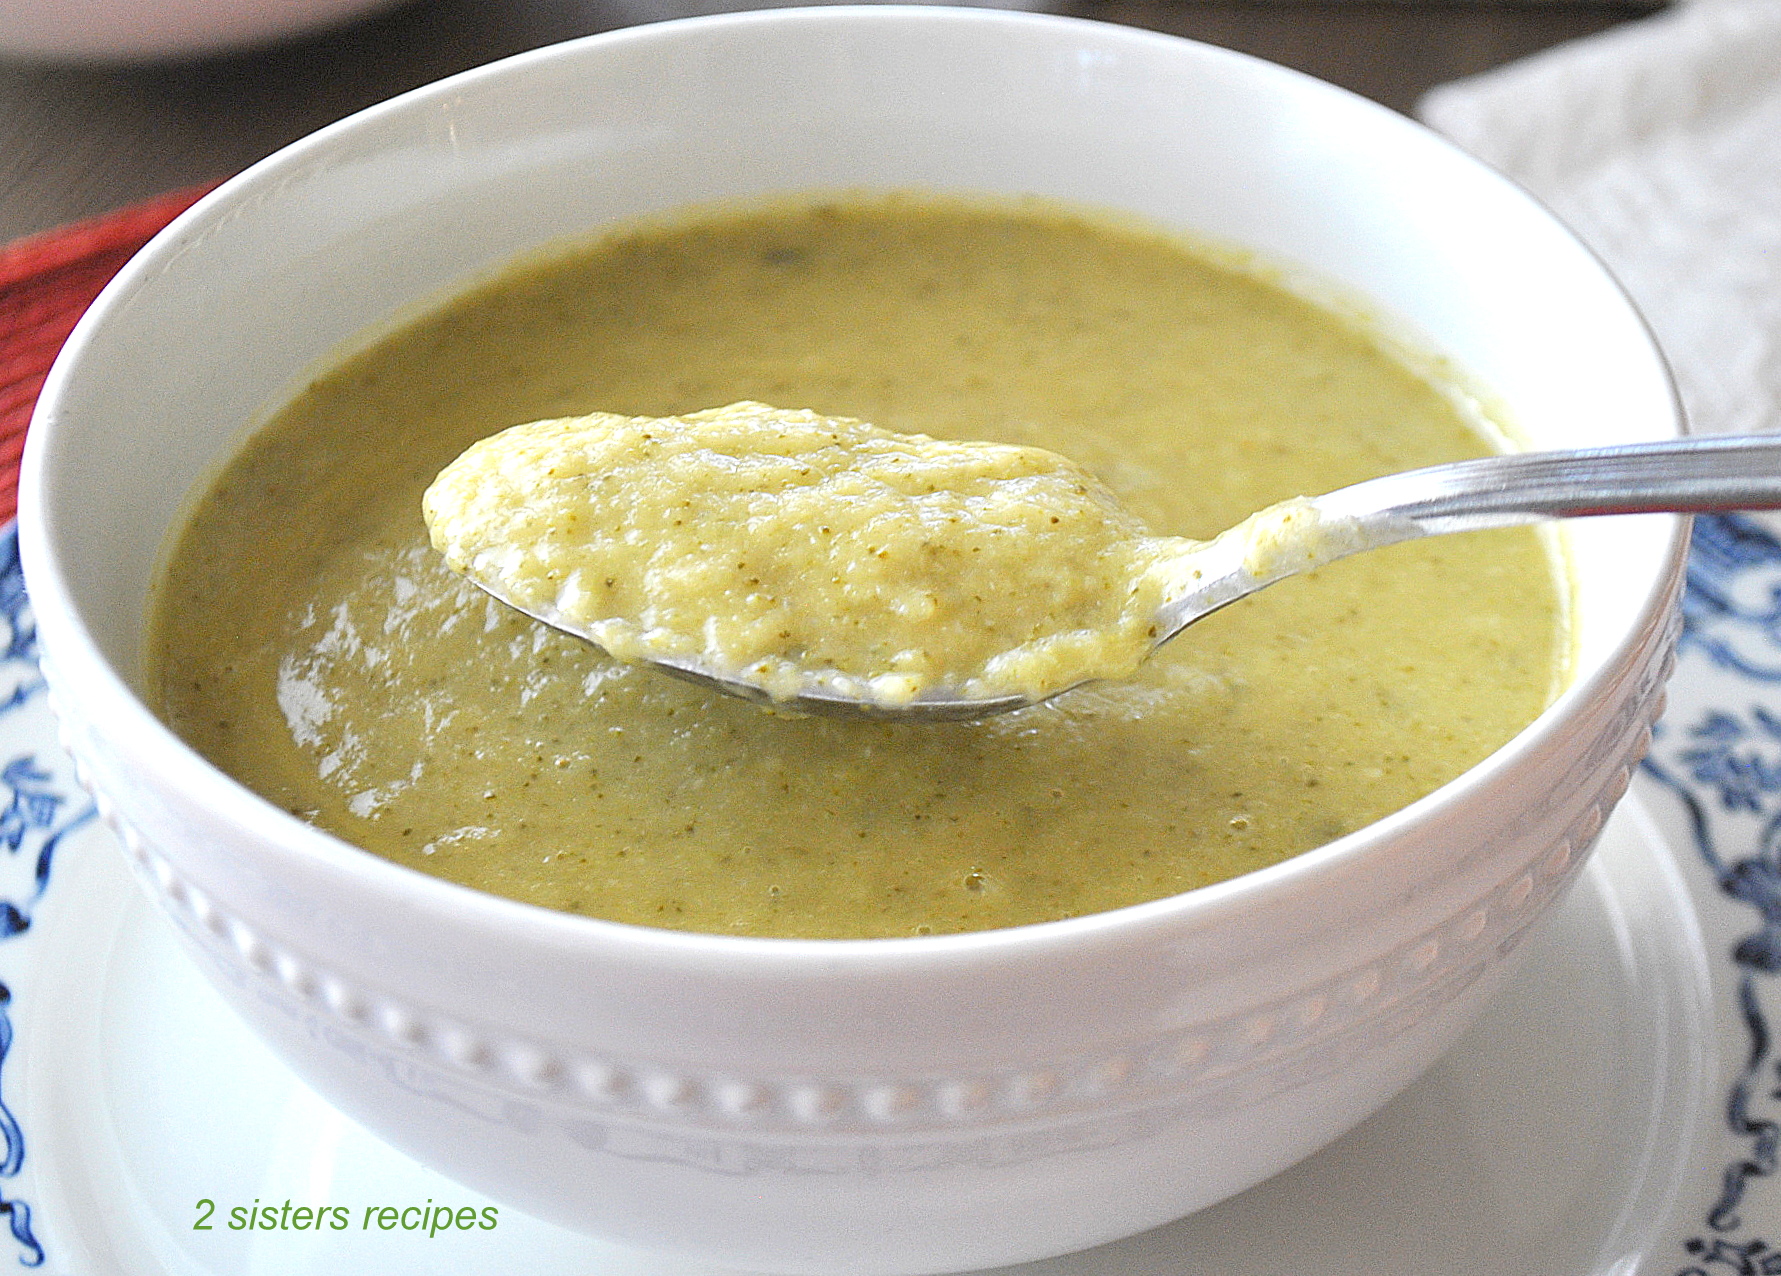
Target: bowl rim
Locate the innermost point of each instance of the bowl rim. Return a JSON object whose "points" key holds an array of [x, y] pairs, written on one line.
{"points": [[127, 716]]}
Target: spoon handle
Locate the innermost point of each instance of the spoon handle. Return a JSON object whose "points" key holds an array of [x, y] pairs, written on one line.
{"points": [[1682, 476]]}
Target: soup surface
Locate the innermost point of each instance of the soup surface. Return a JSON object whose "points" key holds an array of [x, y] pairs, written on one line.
{"points": [[309, 641]]}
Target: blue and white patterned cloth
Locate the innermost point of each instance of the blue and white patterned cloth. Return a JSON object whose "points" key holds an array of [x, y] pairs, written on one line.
{"points": [[42, 805], [1717, 753]]}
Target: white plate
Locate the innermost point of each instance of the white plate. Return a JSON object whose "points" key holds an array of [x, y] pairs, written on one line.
{"points": [[1617, 1111]]}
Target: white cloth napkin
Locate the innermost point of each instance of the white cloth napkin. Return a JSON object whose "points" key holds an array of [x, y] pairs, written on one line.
{"points": [[1659, 142]]}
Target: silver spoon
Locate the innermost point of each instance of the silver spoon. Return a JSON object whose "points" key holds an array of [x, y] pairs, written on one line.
{"points": [[1687, 476]]}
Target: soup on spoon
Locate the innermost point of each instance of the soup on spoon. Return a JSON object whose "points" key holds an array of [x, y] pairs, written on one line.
{"points": [[793, 552]]}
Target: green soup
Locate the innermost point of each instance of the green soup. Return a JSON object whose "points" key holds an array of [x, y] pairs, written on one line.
{"points": [[308, 641]]}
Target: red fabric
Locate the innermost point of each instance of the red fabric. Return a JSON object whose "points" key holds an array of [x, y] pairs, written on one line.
{"points": [[46, 283]]}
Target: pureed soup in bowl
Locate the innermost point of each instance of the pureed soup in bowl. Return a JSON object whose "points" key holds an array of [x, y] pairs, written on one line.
{"points": [[310, 642], [907, 1104]]}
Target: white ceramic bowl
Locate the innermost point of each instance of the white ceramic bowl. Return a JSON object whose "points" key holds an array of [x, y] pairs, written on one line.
{"points": [[906, 1105]]}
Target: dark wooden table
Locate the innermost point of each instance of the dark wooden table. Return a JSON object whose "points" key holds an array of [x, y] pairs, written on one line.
{"points": [[79, 140]]}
